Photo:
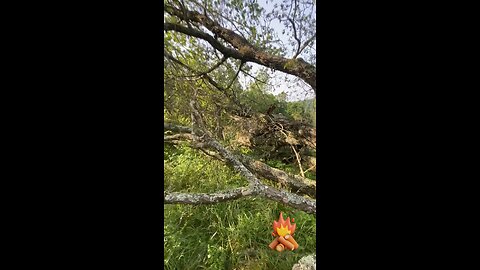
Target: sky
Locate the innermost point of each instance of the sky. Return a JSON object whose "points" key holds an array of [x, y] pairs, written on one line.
{"points": [[294, 92]]}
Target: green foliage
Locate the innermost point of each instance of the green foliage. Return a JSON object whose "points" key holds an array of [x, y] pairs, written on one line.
{"points": [[258, 99], [302, 110], [282, 166], [229, 235]]}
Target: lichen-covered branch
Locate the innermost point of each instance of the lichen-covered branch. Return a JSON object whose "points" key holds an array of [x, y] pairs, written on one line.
{"points": [[290, 199], [205, 198], [287, 198], [234, 162], [176, 128], [298, 184], [256, 188], [176, 137]]}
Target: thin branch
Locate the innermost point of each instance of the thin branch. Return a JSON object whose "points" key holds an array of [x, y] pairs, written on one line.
{"points": [[215, 66], [314, 165], [236, 75], [296, 38], [255, 78], [305, 45], [298, 160], [211, 154], [203, 76], [175, 60]]}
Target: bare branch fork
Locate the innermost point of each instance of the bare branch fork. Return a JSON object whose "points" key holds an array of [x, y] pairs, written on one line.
{"points": [[204, 75], [255, 188]]}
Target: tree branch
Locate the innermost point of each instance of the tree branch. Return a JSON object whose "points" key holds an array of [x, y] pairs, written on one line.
{"points": [[287, 198], [176, 128], [305, 45], [298, 184], [290, 199], [205, 198], [215, 66], [202, 35], [243, 49], [298, 160], [205, 76], [299, 43], [236, 75]]}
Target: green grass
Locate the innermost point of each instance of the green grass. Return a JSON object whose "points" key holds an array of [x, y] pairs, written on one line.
{"points": [[229, 235]]}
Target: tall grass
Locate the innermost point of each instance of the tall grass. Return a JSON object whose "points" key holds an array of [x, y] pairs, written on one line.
{"points": [[229, 235]]}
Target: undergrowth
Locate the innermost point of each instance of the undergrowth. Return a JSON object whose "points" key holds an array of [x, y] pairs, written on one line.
{"points": [[229, 235]]}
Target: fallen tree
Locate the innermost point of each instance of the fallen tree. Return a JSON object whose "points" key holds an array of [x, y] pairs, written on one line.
{"points": [[299, 185], [202, 138]]}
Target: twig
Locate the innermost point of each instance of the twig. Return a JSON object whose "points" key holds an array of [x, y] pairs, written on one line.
{"points": [[315, 165], [224, 58], [298, 160], [305, 45], [293, 148], [236, 75]]}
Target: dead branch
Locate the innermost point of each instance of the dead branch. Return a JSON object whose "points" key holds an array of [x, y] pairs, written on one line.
{"points": [[281, 129], [298, 160], [205, 198], [292, 181], [176, 128], [256, 188], [298, 184]]}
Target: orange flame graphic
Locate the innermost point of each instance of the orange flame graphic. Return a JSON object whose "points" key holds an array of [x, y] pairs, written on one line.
{"points": [[283, 227]]}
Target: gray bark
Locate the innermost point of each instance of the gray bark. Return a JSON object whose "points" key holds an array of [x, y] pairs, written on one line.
{"points": [[256, 188]]}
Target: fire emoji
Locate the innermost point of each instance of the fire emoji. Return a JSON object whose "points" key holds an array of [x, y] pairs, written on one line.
{"points": [[283, 232], [283, 227]]}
